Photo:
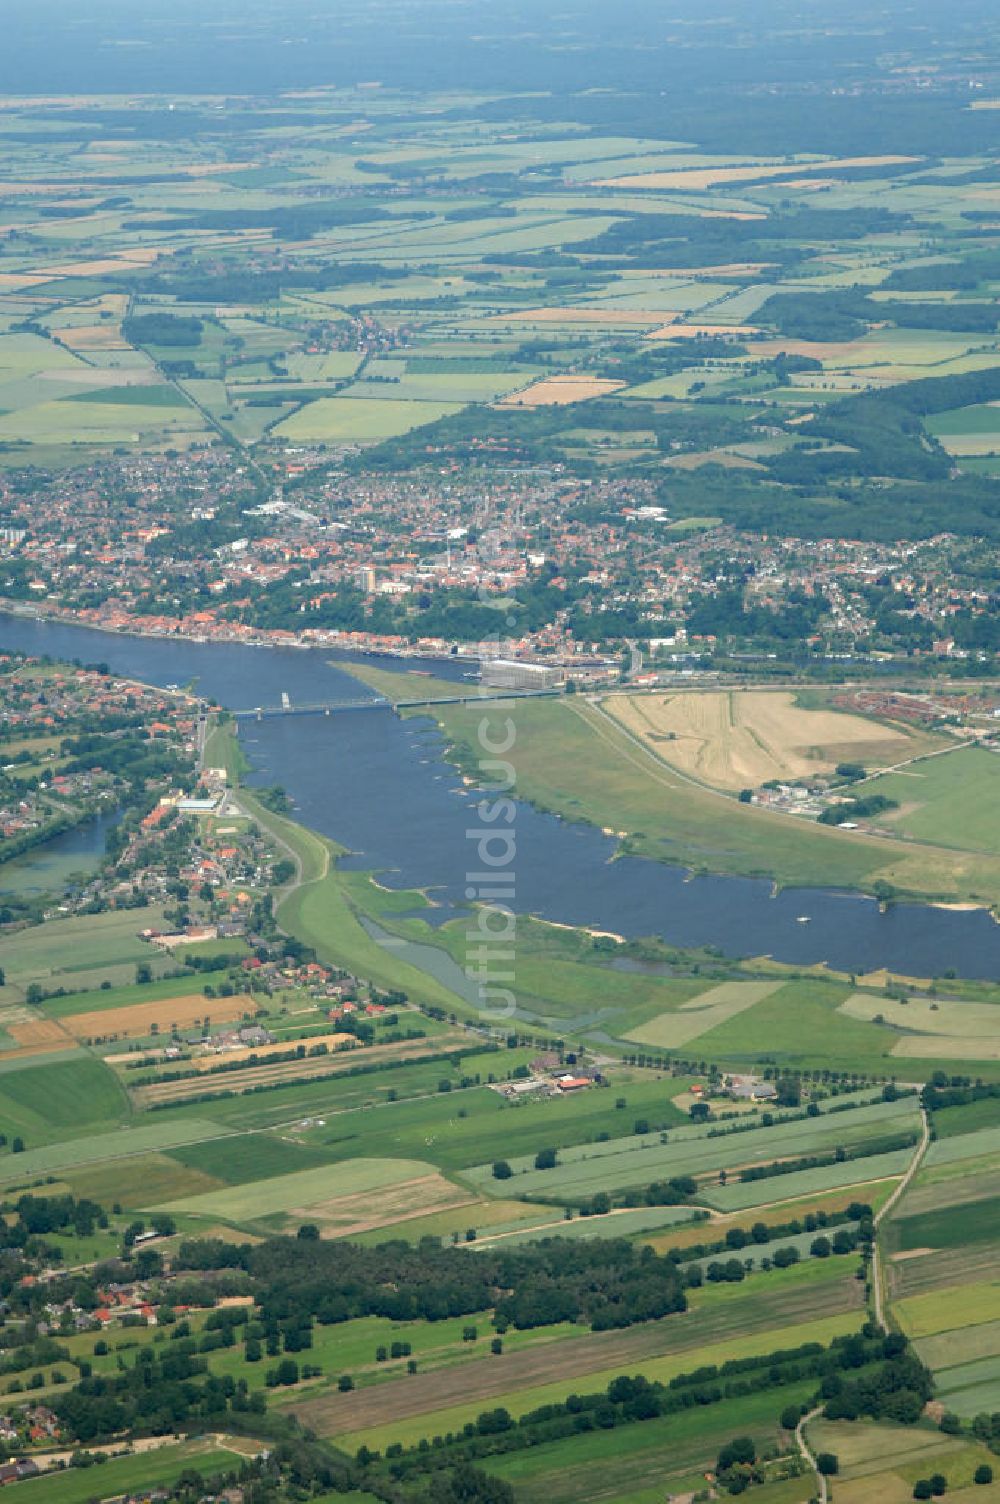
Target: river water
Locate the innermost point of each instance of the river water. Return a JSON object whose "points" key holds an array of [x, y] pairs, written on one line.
{"points": [[381, 787]]}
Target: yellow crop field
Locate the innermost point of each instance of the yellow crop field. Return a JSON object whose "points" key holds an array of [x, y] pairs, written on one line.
{"points": [[684, 330], [93, 337], [265, 1052], [137, 1020], [699, 1014], [741, 738], [558, 391], [40, 1034]]}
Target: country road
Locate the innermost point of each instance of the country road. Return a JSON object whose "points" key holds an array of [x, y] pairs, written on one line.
{"points": [[880, 1216], [807, 1453]]}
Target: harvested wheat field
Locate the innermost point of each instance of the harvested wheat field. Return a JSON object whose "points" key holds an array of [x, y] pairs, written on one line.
{"points": [[558, 391], [348, 1216], [40, 1034], [93, 337], [681, 330], [739, 739], [265, 1052], [136, 1021]]}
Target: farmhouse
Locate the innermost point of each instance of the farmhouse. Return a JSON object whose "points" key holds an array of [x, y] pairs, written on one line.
{"points": [[750, 1089], [573, 1083]]}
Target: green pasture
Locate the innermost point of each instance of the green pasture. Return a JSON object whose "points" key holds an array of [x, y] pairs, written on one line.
{"points": [[360, 420], [456, 1130], [942, 798]]}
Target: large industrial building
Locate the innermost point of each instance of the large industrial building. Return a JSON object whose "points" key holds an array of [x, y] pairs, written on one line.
{"points": [[507, 673]]}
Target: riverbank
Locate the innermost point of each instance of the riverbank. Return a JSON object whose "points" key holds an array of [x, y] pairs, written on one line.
{"points": [[574, 764], [249, 637], [378, 785]]}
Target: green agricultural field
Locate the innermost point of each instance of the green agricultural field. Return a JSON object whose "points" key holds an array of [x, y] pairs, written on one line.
{"points": [[249, 1157], [360, 420], [673, 1452], [624, 1224], [969, 1344], [964, 1147], [93, 1149], [299, 1107], [458, 387], [517, 1401], [93, 945], [949, 1310], [644, 1158], [941, 799], [861, 1174], [951, 1122], [54, 1100], [137, 1180], [702, 1013], [301, 1188], [159, 1467], [951, 1227], [455, 1131]]}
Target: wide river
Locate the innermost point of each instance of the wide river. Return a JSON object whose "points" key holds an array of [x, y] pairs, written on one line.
{"points": [[381, 787]]}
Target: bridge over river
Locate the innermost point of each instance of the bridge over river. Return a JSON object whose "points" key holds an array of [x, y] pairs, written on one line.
{"points": [[332, 707]]}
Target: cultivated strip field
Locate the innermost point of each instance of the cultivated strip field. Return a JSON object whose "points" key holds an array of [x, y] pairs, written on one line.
{"points": [[302, 1189], [587, 1357], [290, 1070]]}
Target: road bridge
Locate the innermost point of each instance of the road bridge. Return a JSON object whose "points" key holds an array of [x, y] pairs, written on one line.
{"points": [[333, 707]]}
